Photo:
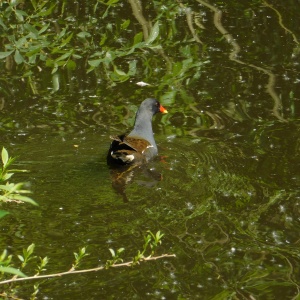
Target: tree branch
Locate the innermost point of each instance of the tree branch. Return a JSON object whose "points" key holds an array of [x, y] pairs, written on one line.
{"points": [[126, 264]]}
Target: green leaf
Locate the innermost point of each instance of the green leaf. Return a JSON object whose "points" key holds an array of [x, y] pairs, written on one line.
{"points": [[119, 251], [64, 56], [7, 176], [55, 82], [44, 28], [49, 62], [113, 254], [153, 34], [3, 213], [61, 63], [95, 63], [67, 40], [21, 42], [83, 34], [132, 68], [76, 56], [5, 187], [33, 2], [20, 14], [119, 72], [5, 54], [30, 249], [157, 47], [3, 25], [32, 60], [55, 68], [226, 294], [33, 52], [138, 38], [32, 30], [103, 39], [14, 187], [46, 12], [125, 24], [24, 199], [62, 33], [111, 2], [71, 65], [12, 271], [18, 57], [20, 257], [4, 156]]}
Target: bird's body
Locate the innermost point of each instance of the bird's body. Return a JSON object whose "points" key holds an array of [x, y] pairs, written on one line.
{"points": [[139, 145]]}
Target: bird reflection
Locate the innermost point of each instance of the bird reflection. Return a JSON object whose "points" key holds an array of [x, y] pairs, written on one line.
{"points": [[141, 174]]}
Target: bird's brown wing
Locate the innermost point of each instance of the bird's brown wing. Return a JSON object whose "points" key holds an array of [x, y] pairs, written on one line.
{"points": [[136, 143]]}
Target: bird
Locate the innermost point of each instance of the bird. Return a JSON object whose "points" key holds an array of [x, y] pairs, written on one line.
{"points": [[138, 146]]}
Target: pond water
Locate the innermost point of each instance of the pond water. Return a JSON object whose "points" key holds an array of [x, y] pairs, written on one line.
{"points": [[224, 189]]}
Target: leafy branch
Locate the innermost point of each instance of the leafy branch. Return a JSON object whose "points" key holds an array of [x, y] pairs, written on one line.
{"points": [[11, 192], [150, 241]]}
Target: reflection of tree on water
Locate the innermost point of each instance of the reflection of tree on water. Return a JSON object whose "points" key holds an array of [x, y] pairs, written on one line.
{"points": [[270, 87]]}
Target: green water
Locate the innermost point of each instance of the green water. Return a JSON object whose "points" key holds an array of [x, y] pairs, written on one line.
{"points": [[224, 189]]}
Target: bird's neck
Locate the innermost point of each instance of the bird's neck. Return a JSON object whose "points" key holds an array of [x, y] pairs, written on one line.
{"points": [[143, 127]]}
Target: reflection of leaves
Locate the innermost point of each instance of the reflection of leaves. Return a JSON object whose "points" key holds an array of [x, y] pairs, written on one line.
{"points": [[18, 57], [254, 274], [153, 34], [5, 54], [226, 294]]}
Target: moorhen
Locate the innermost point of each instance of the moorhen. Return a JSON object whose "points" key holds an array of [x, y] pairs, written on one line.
{"points": [[139, 145]]}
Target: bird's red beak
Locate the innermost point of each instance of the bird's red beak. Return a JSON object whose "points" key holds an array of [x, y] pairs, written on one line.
{"points": [[163, 110]]}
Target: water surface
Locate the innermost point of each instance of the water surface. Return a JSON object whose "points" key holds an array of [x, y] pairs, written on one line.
{"points": [[224, 189]]}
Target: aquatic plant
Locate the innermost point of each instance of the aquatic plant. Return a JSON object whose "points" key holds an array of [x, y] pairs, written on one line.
{"points": [[11, 192]]}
